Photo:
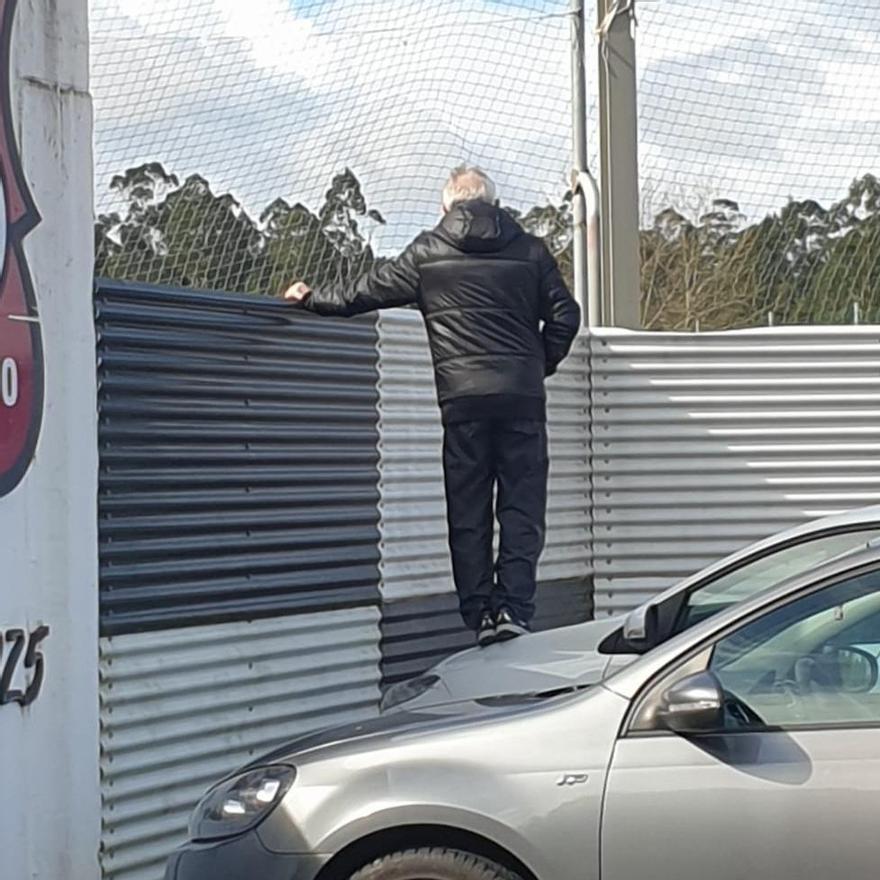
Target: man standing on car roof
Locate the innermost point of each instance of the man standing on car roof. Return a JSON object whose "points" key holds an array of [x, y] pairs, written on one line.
{"points": [[500, 319]]}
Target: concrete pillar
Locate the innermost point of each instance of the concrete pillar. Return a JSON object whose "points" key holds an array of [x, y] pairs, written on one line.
{"points": [[50, 808]]}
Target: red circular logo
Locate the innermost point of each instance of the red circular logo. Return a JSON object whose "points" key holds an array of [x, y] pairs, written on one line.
{"points": [[21, 353]]}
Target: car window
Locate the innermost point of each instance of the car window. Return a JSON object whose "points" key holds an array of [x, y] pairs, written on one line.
{"points": [[768, 571], [811, 662]]}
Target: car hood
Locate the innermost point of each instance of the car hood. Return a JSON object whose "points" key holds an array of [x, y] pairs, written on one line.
{"points": [[474, 687], [394, 727], [556, 660]]}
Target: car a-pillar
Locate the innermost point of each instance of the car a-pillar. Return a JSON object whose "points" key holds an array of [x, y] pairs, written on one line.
{"points": [[49, 762]]}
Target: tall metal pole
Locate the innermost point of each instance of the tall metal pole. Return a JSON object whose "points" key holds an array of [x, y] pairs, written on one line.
{"points": [[587, 241], [619, 172], [579, 157]]}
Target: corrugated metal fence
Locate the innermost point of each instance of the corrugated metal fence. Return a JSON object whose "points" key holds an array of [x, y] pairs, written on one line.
{"points": [[272, 522], [705, 443], [420, 621]]}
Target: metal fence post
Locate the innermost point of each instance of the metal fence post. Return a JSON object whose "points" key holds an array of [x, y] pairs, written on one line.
{"points": [[579, 156], [586, 244], [619, 172]]}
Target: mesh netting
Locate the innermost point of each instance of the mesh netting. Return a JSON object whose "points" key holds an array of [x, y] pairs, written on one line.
{"points": [[759, 131], [242, 144]]}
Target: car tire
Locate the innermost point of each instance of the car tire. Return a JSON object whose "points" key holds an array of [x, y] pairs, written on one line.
{"points": [[434, 864]]}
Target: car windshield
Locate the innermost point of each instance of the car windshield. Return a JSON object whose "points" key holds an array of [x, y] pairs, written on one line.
{"points": [[767, 571]]}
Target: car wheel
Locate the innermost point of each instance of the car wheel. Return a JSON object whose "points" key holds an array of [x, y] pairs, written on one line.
{"points": [[434, 864]]}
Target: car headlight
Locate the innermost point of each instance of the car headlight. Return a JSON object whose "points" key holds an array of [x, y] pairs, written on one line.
{"points": [[240, 803], [407, 690]]}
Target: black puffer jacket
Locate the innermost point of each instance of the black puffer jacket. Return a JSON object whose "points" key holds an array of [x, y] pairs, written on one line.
{"points": [[498, 313]]}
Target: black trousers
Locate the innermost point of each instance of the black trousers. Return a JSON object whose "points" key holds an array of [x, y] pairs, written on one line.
{"points": [[508, 460]]}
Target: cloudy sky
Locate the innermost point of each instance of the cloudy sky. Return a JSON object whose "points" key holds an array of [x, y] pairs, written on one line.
{"points": [[759, 101], [269, 98]]}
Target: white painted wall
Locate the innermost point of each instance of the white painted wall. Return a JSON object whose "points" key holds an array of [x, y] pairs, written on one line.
{"points": [[49, 785]]}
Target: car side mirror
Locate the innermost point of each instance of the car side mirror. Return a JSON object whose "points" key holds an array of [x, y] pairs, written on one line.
{"points": [[858, 670], [640, 627], [693, 705]]}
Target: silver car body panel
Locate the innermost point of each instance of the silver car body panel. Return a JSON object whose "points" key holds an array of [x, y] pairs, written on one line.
{"points": [[530, 778], [556, 659], [748, 805], [794, 805], [567, 658], [774, 800]]}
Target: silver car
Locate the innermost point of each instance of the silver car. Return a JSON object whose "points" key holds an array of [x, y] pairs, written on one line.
{"points": [[747, 745], [580, 656]]}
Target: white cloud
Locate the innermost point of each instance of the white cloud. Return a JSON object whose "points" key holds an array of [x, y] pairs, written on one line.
{"points": [[276, 38], [266, 98], [759, 102], [855, 87]]}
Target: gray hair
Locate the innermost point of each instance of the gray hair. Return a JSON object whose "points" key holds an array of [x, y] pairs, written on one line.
{"points": [[467, 183]]}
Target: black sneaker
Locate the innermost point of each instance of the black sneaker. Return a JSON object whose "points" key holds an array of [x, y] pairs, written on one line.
{"points": [[509, 627], [486, 633]]}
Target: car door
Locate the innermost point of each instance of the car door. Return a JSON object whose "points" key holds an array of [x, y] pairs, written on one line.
{"points": [[788, 788]]}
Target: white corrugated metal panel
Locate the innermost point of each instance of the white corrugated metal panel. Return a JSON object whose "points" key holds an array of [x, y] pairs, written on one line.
{"points": [[415, 557], [412, 510], [568, 551], [180, 708], [705, 443]]}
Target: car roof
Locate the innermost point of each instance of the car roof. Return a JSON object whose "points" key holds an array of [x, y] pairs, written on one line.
{"points": [[856, 516], [858, 557], [860, 516], [627, 682]]}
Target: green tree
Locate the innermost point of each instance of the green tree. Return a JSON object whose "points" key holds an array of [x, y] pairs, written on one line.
{"points": [[555, 224], [187, 235], [327, 246], [174, 234], [123, 244], [804, 264]]}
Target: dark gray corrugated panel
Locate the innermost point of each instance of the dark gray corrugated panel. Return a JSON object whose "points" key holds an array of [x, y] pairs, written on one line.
{"points": [[423, 630], [238, 442], [419, 632], [563, 603]]}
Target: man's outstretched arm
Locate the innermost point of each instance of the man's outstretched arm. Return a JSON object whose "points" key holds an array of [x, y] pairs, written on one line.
{"points": [[559, 311], [388, 284]]}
